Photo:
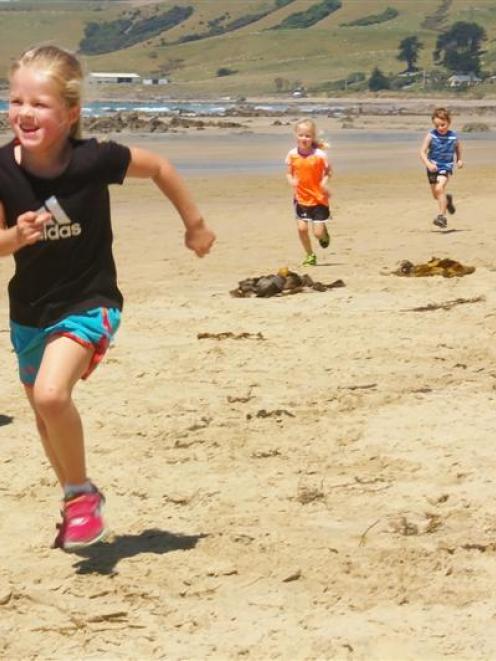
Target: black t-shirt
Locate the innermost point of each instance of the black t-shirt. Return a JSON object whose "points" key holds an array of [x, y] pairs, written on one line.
{"points": [[72, 268]]}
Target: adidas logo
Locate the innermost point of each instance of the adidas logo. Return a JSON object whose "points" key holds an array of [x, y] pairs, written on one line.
{"points": [[61, 226]]}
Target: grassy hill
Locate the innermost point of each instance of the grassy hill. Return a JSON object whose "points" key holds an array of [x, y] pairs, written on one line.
{"points": [[253, 42]]}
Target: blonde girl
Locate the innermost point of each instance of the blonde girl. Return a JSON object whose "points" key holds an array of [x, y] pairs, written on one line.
{"points": [[65, 303], [308, 172]]}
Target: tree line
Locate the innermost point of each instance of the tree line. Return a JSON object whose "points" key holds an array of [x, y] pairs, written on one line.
{"points": [[458, 50]]}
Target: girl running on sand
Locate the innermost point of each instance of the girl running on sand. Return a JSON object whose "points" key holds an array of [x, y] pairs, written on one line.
{"points": [[308, 171], [64, 300]]}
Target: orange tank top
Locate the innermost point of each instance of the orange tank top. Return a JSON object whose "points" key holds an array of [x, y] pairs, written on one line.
{"points": [[309, 169]]}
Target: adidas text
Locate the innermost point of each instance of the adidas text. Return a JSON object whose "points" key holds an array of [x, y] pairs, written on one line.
{"points": [[53, 232]]}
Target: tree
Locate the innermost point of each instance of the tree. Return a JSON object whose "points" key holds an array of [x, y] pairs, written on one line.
{"points": [[409, 51], [459, 49], [378, 81]]}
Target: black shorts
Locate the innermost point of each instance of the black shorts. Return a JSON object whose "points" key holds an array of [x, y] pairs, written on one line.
{"points": [[432, 176], [319, 212]]}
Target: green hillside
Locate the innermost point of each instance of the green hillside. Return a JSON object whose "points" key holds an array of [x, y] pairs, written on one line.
{"points": [[248, 47]]}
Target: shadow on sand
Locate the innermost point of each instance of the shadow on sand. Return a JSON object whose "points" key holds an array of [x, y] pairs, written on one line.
{"points": [[5, 420], [103, 558], [327, 264], [450, 231]]}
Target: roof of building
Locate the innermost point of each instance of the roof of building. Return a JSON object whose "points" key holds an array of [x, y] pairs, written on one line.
{"points": [[464, 76], [114, 75]]}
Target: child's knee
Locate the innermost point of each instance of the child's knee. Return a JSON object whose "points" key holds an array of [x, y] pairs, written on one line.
{"points": [[49, 401]]}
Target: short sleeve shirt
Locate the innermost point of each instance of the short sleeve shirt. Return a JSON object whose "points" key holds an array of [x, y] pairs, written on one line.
{"points": [[309, 169], [72, 267]]}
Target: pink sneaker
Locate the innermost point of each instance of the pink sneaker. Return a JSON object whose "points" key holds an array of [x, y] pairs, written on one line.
{"points": [[82, 523]]}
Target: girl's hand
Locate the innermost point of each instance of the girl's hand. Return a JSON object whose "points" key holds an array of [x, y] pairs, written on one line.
{"points": [[199, 239], [459, 164], [432, 167], [30, 227]]}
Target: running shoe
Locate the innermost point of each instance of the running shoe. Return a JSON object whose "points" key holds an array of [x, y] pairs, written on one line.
{"points": [[325, 240], [310, 260], [441, 221], [82, 522], [450, 207]]}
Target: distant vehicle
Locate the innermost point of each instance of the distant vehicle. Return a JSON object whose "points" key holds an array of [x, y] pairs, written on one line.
{"points": [[298, 94]]}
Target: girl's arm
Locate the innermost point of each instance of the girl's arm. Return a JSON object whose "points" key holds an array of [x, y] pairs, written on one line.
{"points": [[323, 185], [424, 151], [29, 230], [327, 174], [292, 180], [148, 165]]}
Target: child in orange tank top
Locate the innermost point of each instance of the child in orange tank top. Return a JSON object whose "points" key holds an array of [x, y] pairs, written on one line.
{"points": [[308, 171]]}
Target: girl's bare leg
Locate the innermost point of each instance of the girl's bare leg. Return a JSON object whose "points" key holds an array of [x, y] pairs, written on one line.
{"points": [[319, 230], [304, 236], [45, 440], [64, 362]]}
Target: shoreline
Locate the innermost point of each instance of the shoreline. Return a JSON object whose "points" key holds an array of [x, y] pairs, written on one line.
{"points": [[411, 104], [247, 120], [159, 114]]}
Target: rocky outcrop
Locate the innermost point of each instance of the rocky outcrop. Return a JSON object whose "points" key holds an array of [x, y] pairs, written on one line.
{"points": [[146, 123], [134, 122]]}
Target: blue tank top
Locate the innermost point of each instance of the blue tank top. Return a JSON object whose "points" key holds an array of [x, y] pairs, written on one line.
{"points": [[442, 149]]}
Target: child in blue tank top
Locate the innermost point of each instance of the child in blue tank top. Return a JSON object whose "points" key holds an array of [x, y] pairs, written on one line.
{"points": [[440, 152]]}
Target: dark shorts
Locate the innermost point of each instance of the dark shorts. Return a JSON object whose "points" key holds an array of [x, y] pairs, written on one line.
{"points": [[318, 213], [432, 176]]}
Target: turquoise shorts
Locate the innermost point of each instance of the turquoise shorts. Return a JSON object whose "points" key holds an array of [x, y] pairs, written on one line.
{"points": [[93, 329]]}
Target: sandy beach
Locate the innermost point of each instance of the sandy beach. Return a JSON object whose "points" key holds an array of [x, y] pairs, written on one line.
{"points": [[310, 476]]}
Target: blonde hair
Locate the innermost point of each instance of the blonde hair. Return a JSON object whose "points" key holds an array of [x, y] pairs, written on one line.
{"points": [[317, 142], [442, 113], [63, 69]]}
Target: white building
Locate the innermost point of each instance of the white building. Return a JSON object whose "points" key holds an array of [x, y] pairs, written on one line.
{"points": [[155, 81], [114, 78], [459, 80]]}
